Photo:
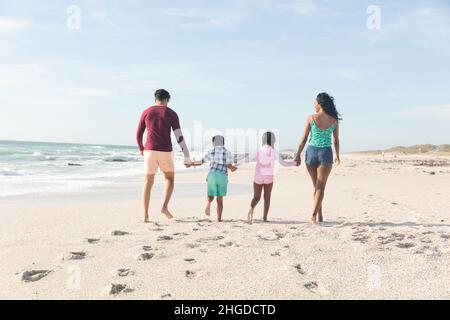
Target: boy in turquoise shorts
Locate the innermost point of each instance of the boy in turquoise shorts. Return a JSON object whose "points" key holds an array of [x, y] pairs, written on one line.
{"points": [[220, 161]]}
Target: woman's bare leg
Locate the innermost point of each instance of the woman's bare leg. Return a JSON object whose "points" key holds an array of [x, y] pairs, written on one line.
{"points": [[312, 170], [267, 196], [323, 172], [146, 193], [257, 191]]}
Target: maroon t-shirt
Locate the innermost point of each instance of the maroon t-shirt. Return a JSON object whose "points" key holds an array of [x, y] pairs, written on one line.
{"points": [[159, 121]]}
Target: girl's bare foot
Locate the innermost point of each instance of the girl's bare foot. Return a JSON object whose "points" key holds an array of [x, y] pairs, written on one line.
{"points": [[250, 216], [314, 219], [208, 209], [320, 218], [166, 212]]}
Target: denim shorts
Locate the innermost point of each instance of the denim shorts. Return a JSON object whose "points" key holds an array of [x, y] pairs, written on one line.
{"points": [[319, 156]]}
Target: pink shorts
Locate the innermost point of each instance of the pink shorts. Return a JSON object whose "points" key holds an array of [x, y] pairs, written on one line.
{"points": [[158, 159], [260, 179]]}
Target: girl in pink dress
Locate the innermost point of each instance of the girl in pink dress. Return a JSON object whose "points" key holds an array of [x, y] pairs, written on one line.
{"points": [[266, 158]]}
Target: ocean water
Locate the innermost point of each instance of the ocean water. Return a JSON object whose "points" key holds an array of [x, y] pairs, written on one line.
{"points": [[35, 167]]}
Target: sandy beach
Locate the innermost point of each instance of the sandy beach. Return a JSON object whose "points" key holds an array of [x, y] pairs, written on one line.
{"points": [[386, 235]]}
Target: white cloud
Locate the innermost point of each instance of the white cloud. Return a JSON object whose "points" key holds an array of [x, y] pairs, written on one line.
{"points": [[199, 18], [436, 112], [348, 74], [12, 25], [304, 7]]}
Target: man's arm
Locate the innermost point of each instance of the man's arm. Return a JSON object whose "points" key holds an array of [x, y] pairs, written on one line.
{"points": [[180, 139], [140, 133]]}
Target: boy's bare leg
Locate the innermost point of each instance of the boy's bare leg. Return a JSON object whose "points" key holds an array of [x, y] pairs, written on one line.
{"points": [[219, 208], [267, 196], [146, 193], [209, 200], [170, 181]]}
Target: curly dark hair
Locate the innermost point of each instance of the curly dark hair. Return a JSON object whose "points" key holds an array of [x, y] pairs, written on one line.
{"points": [[327, 103], [162, 95]]}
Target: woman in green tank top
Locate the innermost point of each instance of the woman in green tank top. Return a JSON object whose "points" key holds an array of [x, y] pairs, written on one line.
{"points": [[321, 128]]}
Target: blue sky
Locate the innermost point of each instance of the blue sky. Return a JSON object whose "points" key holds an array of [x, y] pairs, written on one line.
{"points": [[230, 64]]}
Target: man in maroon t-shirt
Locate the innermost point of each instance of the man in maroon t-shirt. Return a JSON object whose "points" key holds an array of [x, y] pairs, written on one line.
{"points": [[159, 121]]}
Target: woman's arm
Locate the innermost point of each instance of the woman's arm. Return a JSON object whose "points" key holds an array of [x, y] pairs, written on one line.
{"points": [[336, 144], [306, 131]]}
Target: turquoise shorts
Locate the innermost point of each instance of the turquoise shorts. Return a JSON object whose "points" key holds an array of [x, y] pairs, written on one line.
{"points": [[217, 184]]}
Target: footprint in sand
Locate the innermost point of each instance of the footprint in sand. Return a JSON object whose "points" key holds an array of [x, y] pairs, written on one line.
{"points": [[145, 256], [92, 241], [119, 233], [191, 260], [166, 296], [73, 256], [311, 286], [405, 245], [192, 245], [190, 274], [124, 272], [181, 234], [157, 229], [445, 236], [299, 269], [164, 238], [116, 289], [228, 244], [148, 248], [32, 275], [275, 254]]}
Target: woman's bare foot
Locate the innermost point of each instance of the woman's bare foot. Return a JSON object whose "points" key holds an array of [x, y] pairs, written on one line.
{"points": [[250, 216], [208, 209], [166, 212]]}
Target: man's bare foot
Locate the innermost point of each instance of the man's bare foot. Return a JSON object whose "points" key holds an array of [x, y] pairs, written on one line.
{"points": [[320, 218], [250, 216], [146, 219], [208, 209], [167, 213]]}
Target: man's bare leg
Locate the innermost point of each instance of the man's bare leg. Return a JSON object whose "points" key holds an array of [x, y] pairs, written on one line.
{"points": [[170, 182], [219, 208], [209, 200], [146, 193]]}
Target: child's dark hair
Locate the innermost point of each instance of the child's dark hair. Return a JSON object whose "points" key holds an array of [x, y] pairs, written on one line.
{"points": [[327, 103], [162, 95], [268, 139], [218, 141]]}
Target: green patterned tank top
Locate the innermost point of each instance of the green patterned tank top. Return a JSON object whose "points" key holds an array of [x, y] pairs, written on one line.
{"points": [[321, 138]]}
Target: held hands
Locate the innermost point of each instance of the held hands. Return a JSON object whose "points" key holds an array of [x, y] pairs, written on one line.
{"points": [[141, 152], [298, 160]]}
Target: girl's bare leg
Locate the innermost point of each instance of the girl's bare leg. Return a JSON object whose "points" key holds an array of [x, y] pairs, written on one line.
{"points": [[219, 208], [267, 196], [209, 200], [323, 172], [257, 191]]}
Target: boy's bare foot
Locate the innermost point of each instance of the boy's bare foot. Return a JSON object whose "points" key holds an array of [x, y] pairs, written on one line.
{"points": [[166, 212], [250, 216], [208, 209]]}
